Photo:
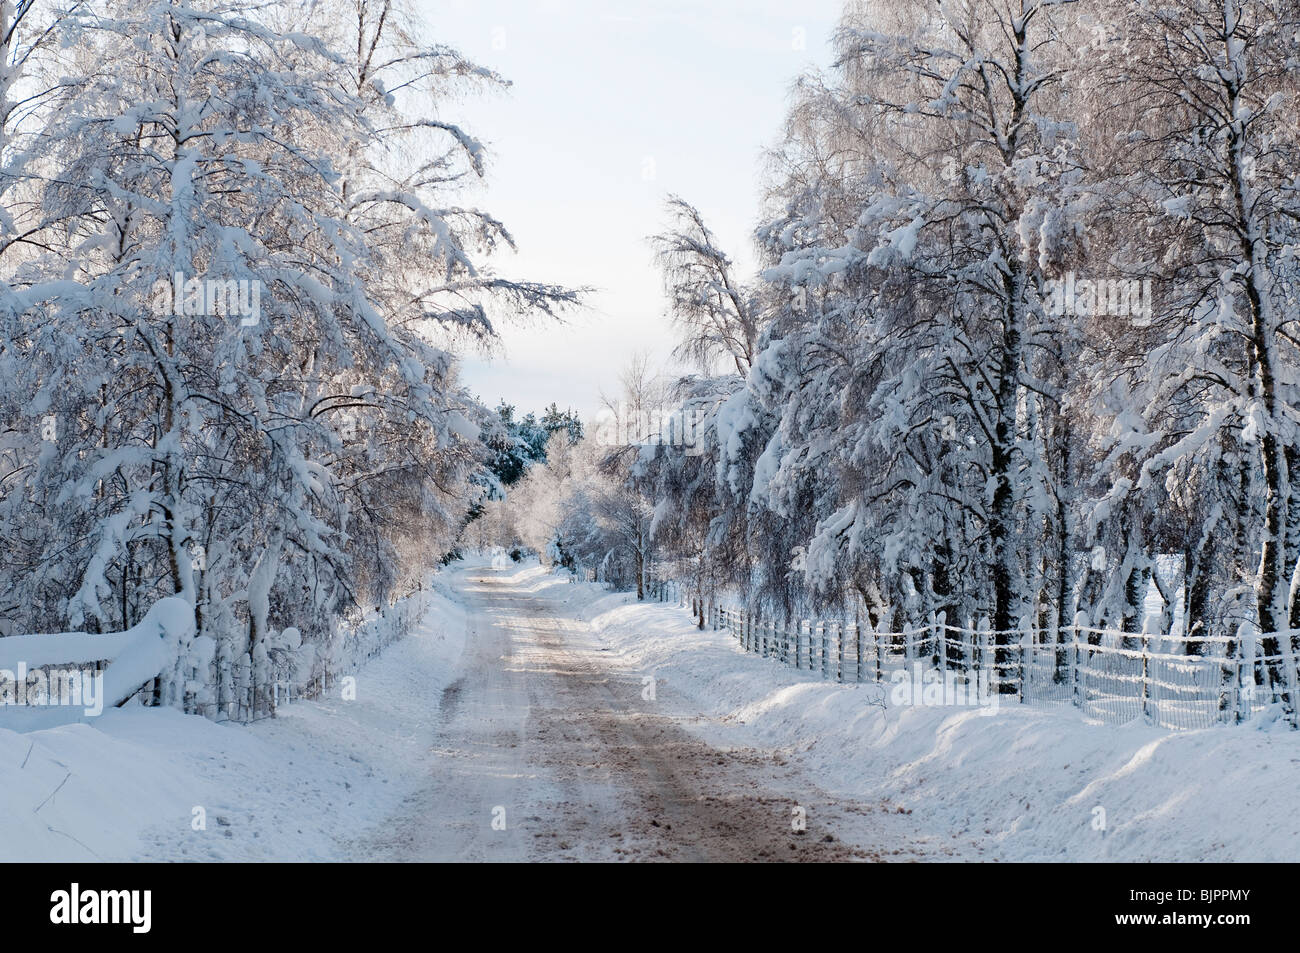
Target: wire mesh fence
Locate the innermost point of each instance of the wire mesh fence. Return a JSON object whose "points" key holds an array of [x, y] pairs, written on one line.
{"points": [[1112, 677]]}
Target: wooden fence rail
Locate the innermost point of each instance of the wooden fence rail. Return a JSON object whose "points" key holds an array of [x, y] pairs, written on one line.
{"points": [[1113, 677]]}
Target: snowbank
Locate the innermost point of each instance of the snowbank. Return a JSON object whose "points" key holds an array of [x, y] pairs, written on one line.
{"points": [[1023, 784], [135, 783]]}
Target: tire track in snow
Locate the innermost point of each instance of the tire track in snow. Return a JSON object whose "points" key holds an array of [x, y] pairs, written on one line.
{"points": [[541, 723]]}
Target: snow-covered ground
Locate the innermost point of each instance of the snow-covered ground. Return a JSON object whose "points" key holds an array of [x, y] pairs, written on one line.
{"points": [[126, 786], [523, 694]]}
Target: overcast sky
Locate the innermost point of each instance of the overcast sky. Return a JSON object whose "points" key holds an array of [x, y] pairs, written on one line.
{"points": [[616, 104]]}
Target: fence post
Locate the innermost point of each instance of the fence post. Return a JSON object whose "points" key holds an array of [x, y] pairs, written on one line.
{"points": [[839, 660], [1026, 648], [982, 654], [1241, 707], [876, 642], [968, 650], [857, 636], [1146, 682], [1076, 658], [1150, 622], [826, 646]]}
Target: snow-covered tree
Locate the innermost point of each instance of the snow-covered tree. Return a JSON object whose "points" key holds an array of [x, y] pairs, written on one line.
{"points": [[1203, 399], [233, 318]]}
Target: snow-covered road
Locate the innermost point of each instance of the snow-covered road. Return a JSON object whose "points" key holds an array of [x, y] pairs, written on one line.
{"points": [[528, 719], [549, 747]]}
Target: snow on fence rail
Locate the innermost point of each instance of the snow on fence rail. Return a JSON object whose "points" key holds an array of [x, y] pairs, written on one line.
{"points": [[353, 645], [1113, 677], [162, 656], [126, 660]]}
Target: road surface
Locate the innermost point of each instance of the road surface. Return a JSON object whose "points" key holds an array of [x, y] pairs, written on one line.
{"points": [[547, 749]]}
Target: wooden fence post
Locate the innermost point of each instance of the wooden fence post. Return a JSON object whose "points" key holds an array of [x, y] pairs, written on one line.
{"points": [[857, 636], [1025, 643], [839, 660], [982, 655], [1149, 703], [825, 640], [1076, 658], [1146, 681], [876, 639]]}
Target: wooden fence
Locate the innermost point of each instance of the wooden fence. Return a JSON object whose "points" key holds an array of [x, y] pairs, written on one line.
{"points": [[1112, 677]]}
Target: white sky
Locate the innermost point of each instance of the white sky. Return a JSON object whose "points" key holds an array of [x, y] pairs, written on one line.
{"points": [[616, 104]]}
